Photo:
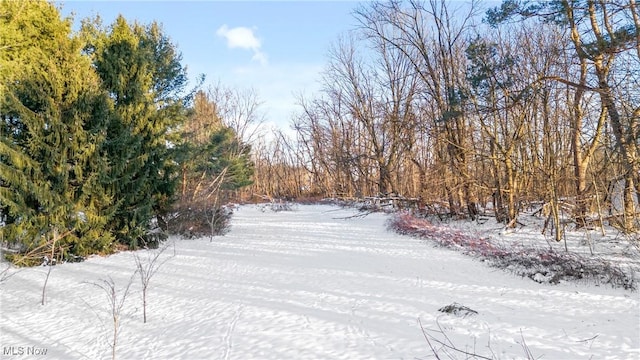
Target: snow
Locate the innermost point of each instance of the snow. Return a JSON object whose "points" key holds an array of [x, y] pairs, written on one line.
{"points": [[314, 283], [598, 243]]}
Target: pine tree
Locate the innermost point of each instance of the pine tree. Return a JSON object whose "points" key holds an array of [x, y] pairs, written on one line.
{"points": [[52, 124], [210, 147], [141, 71], [226, 151], [213, 162]]}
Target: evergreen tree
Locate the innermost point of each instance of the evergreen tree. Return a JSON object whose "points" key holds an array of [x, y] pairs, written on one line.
{"points": [[213, 162], [52, 124], [141, 71], [226, 151], [209, 148]]}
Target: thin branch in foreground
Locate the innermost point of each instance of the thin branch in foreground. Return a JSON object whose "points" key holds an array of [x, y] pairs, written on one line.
{"points": [[359, 215], [589, 339], [449, 345], [424, 333], [147, 269], [116, 301], [525, 347], [7, 272]]}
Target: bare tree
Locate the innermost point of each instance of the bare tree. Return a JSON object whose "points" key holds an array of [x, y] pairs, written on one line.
{"points": [[115, 299], [604, 39], [421, 99], [239, 109], [430, 36], [146, 269]]}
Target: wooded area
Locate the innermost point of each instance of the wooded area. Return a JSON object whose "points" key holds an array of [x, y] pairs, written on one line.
{"points": [[101, 144], [531, 103]]}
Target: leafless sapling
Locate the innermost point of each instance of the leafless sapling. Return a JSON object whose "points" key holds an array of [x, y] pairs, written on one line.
{"points": [[115, 298], [146, 269], [50, 260]]}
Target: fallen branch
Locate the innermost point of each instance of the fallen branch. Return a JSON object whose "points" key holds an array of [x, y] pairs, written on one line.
{"points": [[359, 215]]}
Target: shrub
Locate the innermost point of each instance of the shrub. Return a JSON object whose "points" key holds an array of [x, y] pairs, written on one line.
{"points": [[541, 265]]}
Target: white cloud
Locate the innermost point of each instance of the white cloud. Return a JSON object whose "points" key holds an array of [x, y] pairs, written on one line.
{"points": [[243, 38], [260, 57]]}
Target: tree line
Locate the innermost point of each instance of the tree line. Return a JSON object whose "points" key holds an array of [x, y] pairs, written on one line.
{"points": [[460, 107], [100, 138], [531, 102]]}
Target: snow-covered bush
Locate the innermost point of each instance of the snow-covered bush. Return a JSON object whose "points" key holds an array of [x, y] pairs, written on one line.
{"points": [[541, 265]]}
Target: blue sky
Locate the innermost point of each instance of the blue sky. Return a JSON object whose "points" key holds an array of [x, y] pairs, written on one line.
{"points": [[277, 48]]}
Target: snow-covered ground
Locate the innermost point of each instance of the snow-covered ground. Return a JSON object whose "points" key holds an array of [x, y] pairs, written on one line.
{"points": [[603, 243], [311, 284]]}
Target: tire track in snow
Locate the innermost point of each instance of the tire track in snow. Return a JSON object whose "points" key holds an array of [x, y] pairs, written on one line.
{"points": [[301, 285]]}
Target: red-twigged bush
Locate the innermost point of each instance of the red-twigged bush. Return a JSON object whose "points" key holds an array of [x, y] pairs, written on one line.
{"points": [[405, 223], [541, 265]]}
